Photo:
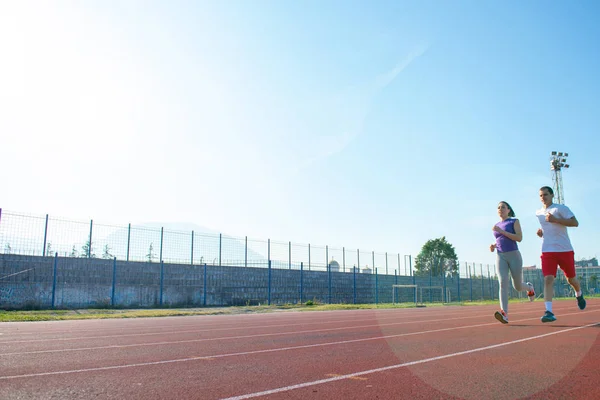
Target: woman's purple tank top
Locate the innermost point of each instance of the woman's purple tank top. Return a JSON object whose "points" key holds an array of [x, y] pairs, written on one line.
{"points": [[504, 244]]}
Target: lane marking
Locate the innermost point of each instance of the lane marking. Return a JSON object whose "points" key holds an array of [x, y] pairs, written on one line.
{"points": [[407, 364], [355, 378], [411, 312], [210, 330], [237, 337], [246, 353], [122, 346]]}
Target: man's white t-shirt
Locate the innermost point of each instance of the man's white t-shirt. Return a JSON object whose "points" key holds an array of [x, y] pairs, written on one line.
{"points": [[556, 238]]}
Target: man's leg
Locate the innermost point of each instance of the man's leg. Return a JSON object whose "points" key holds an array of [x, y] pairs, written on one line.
{"points": [[548, 290], [567, 264], [574, 282], [549, 268]]}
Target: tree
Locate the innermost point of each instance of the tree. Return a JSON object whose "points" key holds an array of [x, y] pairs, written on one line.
{"points": [[437, 256], [7, 248], [49, 249], [73, 252], [87, 251], [106, 253], [150, 256], [593, 279]]}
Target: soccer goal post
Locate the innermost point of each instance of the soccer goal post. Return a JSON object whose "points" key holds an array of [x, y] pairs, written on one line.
{"points": [[432, 294], [404, 294]]}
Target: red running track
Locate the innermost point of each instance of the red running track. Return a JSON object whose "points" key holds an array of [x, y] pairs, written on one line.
{"points": [[439, 352]]}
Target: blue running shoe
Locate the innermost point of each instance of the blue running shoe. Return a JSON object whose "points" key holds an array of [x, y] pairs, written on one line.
{"points": [[581, 302], [548, 317]]}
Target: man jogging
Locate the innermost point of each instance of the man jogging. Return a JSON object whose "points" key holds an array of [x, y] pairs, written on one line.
{"points": [[557, 250]]}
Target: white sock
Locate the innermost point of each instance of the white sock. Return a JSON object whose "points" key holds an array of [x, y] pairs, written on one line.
{"points": [[548, 305], [578, 293]]}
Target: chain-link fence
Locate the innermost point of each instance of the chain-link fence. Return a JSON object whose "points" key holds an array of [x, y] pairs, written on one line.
{"points": [[76, 263]]}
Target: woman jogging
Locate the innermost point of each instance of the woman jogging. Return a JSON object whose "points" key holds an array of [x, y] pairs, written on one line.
{"points": [[508, 258]]}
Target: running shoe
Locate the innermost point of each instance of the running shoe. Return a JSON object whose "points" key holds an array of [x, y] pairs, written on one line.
{"points": [[531, 292], [548, 317], [501, 316], [581, 302]]}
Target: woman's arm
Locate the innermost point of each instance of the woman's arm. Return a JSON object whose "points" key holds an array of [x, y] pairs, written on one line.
{"points": [[517, 236]]}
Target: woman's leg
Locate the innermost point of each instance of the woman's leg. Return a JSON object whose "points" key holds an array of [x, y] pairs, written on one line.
{"points": [[515, 262], [502, 271]]}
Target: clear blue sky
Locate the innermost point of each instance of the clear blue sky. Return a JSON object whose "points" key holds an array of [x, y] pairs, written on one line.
{"points": [[372, 125]]}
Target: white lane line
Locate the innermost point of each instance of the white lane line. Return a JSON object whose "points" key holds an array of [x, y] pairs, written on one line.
{"points": [[308, 322], [253, 327], [245, 353], [408, 364], [116, 346]]}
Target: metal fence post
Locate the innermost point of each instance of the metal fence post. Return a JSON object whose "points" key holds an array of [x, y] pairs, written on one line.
{"points": [[309, 256], [192, 258], [114, 282], [414, 278], [354, 283], [220, 247], [490, 281], [445, 296], [204, 283], [430, 284], [90, 240], [245, 251], [161, 244], [373, 258], [344, 259], [301, 282], [45, 236], [162, 277], [290, 255], [386, 264], [471, 280], [329, 283], [54, 279], [458, 284], [128, 239], [376, 287], [269, 289]]}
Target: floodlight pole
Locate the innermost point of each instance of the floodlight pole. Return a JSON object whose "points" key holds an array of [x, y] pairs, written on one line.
{"points": [[558, 161]]}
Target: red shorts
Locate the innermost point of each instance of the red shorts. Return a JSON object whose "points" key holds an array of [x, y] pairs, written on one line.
{"points": [[552, 260]]}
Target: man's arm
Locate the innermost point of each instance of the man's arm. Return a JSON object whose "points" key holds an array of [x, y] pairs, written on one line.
{"points": [[571, 222]]}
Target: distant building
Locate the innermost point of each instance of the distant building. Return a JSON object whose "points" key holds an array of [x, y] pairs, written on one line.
{"points": [[334, 266], [592, 262]]}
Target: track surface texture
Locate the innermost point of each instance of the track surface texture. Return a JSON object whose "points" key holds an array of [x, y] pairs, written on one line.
{"points": [[452, 352]]}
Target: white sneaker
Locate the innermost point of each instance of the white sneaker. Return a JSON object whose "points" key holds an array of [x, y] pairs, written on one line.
{"points": [[531, 292]]}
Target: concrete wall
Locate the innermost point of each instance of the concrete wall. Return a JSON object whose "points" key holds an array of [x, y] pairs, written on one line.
{"points": [[44, 282]]}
